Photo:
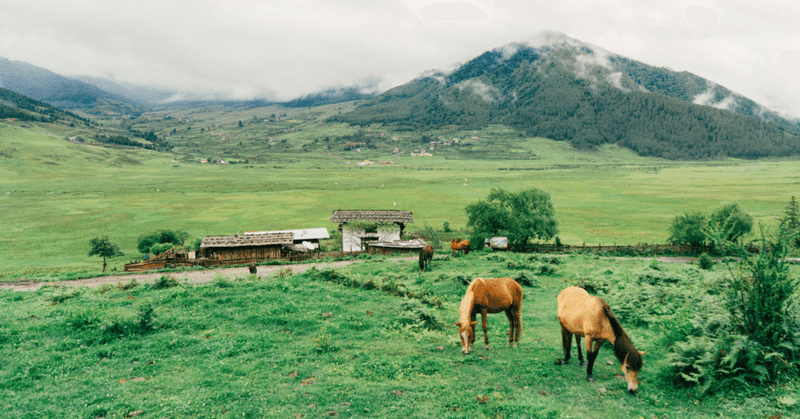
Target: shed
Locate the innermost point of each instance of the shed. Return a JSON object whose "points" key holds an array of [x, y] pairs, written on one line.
{"points": [[307, 237], [400, 246], [360, 227], [245, 247]]}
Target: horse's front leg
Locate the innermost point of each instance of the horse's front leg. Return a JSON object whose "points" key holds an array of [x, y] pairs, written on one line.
{"points": [[591, 355], [472, 322], [484, 314]]}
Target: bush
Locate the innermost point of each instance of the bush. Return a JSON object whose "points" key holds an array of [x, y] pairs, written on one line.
{"points": [[526, 278], [165, 282], [750, 335], [705, 261], [417, 316], [147, 242]]}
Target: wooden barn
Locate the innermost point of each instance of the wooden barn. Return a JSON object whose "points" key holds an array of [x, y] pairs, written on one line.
{"points": [[265, 246], [361, 227]]}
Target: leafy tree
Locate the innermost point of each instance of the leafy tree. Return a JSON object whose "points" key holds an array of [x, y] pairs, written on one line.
{"points": [[103, 247], [689, 229], [520, 216], [148, 241], [730, 222]]}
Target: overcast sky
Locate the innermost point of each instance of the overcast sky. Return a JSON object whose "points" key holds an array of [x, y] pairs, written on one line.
{"points": [[282, 49]]}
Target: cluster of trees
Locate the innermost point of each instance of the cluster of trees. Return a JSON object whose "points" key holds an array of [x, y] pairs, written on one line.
{"points": [[160, 241], [520, 216], [149, 243], [125, 141], [724, 225]]}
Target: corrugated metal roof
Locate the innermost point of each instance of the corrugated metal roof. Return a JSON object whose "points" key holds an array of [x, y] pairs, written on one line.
{"points": [[398, 244], [385, 216], [247, 240], [304, 234]]}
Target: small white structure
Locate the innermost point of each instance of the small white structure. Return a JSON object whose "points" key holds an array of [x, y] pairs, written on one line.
{"points": [[362, 227], [308, 238]]}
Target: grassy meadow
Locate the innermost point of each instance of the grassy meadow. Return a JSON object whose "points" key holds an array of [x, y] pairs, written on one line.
{"points": [[56, 195], [374, 339]]}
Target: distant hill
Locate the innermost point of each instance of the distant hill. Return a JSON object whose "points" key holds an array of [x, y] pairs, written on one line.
{"points": [[16, 106], [560, 88], [62, 92], [329, 96], [139, 94]]}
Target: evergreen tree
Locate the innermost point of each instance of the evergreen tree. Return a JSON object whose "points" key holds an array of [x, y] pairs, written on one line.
{"points": [[791, 222]]}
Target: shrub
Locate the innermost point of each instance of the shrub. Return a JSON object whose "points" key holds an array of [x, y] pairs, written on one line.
{"points": [[165, 282], [750, 335], [705, 261], [526, 278], [324, 342], [761, 304], [417, 316]]}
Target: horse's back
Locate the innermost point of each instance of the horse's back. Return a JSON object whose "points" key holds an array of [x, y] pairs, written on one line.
{"points": [[496, 294], [580, 312]]}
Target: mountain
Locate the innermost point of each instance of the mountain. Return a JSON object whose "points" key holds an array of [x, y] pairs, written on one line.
{"points": [[560, 88], [62, 92]]}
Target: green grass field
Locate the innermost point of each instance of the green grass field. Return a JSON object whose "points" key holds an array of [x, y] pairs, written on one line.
{"points": [[56, 195], [347, 343], [372, 340]]}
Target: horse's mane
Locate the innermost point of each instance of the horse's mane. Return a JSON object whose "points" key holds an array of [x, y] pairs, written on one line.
{"points": [[622, 344]]}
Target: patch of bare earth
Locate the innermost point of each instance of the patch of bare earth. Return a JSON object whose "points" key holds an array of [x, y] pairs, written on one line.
{"points": [[191, 277]]}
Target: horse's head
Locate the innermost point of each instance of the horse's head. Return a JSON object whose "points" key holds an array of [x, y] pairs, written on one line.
{"points": [[467, 333], [631, 367]]}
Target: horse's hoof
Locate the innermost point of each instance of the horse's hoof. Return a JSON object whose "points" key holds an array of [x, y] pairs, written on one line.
{"points": [[583, 363], [561, 361], [486, 348], [590, 379]]}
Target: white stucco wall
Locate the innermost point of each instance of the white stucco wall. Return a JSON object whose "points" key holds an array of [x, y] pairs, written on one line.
{"points": [[351, 238]]}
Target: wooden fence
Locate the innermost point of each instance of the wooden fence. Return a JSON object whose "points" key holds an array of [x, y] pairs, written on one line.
{"points": [[163, 263], [637, 249]]}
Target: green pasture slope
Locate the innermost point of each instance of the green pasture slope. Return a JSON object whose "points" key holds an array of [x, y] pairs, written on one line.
{"points": [[373, 340], [56, 195]]}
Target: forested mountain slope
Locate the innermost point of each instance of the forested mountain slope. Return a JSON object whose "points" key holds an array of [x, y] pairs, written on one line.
{"points": [[560, 88]]}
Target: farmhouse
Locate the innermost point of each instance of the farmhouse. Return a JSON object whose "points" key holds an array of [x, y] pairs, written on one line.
{"points": [[245, 247], [362, 227]]}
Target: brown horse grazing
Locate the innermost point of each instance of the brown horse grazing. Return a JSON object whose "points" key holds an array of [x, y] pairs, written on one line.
{"points": [[459, 244], [252, 268], [580, 314], [490, 296], [425, 257]]}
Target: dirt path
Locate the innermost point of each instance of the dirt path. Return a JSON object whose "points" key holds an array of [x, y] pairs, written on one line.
{"points": [[192, 277]]}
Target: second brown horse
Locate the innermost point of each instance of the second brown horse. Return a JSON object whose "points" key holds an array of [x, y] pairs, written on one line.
{"points": [[490, 296]]}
